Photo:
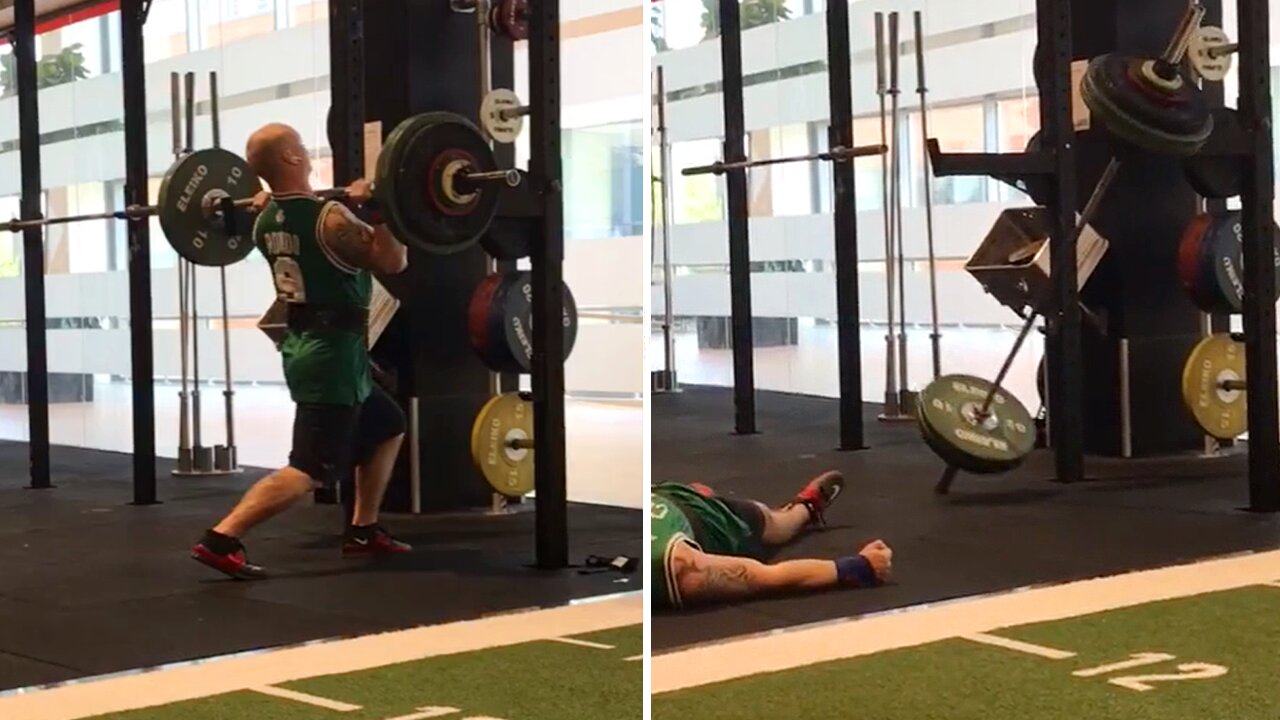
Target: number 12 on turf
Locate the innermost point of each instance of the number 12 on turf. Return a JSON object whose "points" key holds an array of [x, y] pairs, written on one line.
{"points": [[1143, 683]]}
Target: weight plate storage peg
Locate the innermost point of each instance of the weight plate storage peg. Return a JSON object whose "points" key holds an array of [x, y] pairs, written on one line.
{"points": [[1213, 386], [1147, 103], [189, 207], [948, 411], [1217, 176], [501, 444]]}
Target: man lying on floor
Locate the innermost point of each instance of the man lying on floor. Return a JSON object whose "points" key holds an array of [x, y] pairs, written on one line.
{"points": [[708, 548]]}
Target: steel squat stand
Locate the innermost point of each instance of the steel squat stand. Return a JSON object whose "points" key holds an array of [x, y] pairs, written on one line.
{"points": [[195, 459]]}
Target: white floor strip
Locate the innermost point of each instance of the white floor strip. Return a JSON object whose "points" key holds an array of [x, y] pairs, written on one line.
{"points": [[581, 643], [633, 658], [1019, 646], [215, 677], [314, 700], [786, 650]]}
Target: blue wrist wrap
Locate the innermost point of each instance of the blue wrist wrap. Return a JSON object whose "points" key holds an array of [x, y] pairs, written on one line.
{"points": [[857, 571]]}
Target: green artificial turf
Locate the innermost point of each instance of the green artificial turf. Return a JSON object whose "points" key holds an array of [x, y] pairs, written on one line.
{"points": [[961, 680], [541, 680]]}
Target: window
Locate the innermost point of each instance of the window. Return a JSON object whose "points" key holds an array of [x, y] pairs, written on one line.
{"points": [[223, 22], [958, 129], [1017, 119], [699, 198], [165, 33], [787, 189], [604, 181], [10, 243]]}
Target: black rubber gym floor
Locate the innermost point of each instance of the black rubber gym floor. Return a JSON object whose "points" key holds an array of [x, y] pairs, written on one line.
{"points": [[992, 533], [90, 584]]}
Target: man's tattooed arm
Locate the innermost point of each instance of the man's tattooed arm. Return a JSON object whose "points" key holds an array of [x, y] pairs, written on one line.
{"points": [[347, 240], [717, 577]]}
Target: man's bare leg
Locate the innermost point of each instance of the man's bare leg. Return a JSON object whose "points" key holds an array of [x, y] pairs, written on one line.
{"points": [[269, 497], [372, 477], [782, 525]]}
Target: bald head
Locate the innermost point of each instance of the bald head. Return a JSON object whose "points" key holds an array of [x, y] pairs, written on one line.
{"points": [[276, 154]]}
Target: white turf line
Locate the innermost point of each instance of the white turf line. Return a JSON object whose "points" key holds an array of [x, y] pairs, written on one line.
{"points": [[786, 650], [255, 671], [581, 643], [313, 700], [1019, 646]]}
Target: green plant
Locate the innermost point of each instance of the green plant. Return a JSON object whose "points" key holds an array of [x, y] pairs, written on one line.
{"points": [[753, 13], [64, 66], [657, 29]]}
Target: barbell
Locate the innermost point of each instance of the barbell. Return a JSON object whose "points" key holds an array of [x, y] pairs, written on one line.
{"points": [[434, 186], [838, 154]]}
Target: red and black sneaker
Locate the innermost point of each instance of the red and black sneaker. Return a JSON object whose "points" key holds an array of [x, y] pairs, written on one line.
{"points": [[234, 564], [819, 493], [365, 542]]}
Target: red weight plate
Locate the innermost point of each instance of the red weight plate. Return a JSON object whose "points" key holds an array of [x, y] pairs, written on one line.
{"points": [[478, 313], [1189, 257], [511, 18]]}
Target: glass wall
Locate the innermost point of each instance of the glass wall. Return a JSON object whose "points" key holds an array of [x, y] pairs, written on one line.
{"points": [[792, 248], [272, 61]]}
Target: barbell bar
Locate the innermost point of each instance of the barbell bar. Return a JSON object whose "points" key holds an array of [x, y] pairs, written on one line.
{"points": [[839, 154], [215, 206]]}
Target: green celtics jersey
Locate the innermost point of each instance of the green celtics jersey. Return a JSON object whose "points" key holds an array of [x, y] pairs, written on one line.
{"points": [[320, 367], [668, 527]]}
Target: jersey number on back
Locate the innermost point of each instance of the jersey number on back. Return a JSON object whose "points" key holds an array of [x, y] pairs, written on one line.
{"points": [[288, 276]]}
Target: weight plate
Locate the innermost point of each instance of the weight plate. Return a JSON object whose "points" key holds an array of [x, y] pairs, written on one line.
{"points": [[189, 193], [1221, 413], [390, 159], [434, 211], [517, 306], [1224, 262], [488, 324], [331, 127], [509, 239], [1036, 186], [1042, 379], [1212, 69], [511, 19], [1217, 176], [1122, 93], [504, 418], [949, 405], [501, 129], [1189, 253]]}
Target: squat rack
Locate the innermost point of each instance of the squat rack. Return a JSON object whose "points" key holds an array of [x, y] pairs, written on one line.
{"points": [[1054, 166]]}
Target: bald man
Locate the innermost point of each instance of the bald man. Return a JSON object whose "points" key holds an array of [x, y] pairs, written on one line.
{"points": [[708, 549], [322, 257]]}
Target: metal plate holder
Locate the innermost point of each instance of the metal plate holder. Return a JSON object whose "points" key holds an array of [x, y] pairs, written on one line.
{"points": [[1012, 263]]}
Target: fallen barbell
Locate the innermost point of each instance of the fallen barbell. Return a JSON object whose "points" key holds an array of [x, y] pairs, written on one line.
{"points": [[1147, 101], [839, 154], [434, 186], [502, 444], [1213, 386]]}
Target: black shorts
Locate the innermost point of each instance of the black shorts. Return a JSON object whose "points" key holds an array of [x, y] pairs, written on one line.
{"points": [[748, 512], [330, 439]]}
